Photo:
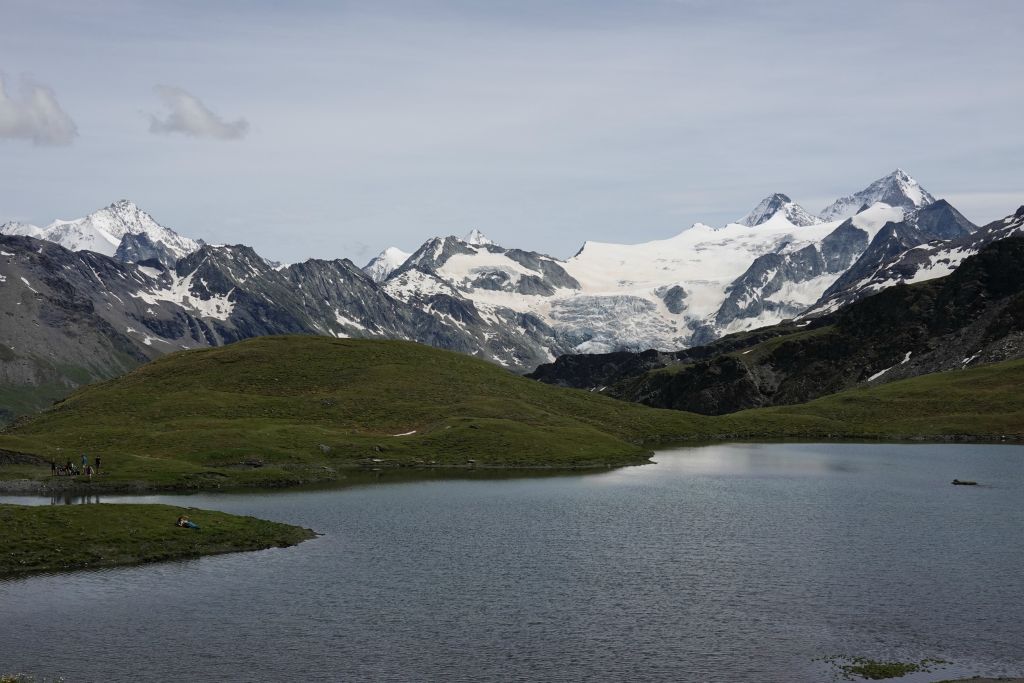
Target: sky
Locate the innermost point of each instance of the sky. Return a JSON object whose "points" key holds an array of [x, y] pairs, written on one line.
{"points": [[335, 129]]}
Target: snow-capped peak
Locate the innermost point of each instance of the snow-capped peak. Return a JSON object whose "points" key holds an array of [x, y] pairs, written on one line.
{"points": [[384, 263], [20, 229], [103, 230], [476, 238], [775, 204], [896, 189]]}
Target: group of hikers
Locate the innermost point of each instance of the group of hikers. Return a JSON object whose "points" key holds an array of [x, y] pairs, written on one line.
{"points": [[70, 469]]}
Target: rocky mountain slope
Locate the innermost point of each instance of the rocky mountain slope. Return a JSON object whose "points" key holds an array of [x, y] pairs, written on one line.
{"points": [[973, 316]]}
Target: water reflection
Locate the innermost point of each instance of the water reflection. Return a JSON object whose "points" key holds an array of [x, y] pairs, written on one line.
{"points": [[347, 480], [69, 498]]}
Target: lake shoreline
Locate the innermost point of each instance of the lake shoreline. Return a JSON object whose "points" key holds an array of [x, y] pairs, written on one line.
{"points": [[295, 478], [80, 485]]}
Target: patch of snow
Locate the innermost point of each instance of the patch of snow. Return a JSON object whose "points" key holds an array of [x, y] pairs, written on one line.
{"points": [[342, 319], [803, 294], [878, 374], [416, 283], [180, 292], [405, 433], [873, 219], [146, 339], [940, 264]]}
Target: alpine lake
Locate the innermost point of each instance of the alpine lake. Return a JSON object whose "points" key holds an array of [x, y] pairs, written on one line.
{"points": [[740, 562]]}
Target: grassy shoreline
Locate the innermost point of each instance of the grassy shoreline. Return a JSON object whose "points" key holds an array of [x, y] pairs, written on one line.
{"points": [[36, 480], [54, 538]]}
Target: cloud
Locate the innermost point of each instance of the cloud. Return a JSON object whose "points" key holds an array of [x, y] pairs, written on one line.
{"points": [[35, 116], [188, 115]]}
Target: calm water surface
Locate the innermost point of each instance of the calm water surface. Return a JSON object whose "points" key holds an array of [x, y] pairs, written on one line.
{"points": [[723, 563]]}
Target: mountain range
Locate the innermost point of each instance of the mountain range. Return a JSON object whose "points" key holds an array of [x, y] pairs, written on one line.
{"points": [[775, 263], [89, 298], [971, 317]]}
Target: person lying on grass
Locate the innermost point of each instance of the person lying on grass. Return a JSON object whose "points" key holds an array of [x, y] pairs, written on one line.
{"points": [[185, 522]]}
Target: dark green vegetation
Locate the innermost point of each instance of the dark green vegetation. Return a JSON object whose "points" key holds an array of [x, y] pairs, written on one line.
{"points": [[974, 316], [278, 411], [861, 668], [64, 537]]}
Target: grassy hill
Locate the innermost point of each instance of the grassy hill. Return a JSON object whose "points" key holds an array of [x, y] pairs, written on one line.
{"points": [[284, 410], [984, 402]]}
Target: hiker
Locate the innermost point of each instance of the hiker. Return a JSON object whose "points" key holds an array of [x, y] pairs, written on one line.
{"points": [[97, 464], [186, 523], [85, 460], [53, 468], [88, 471]]}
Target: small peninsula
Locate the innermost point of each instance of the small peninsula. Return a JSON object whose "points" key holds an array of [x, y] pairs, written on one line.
{"points": [[54, 538]]}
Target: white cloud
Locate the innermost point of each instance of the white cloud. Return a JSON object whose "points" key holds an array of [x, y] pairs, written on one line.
{"points": [[35, 116], [188, 115]]}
